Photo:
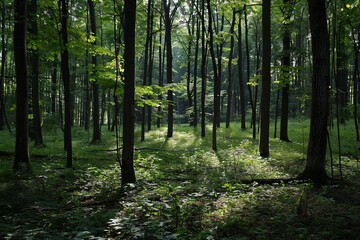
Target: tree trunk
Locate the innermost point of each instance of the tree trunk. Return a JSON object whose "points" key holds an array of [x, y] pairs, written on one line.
{"points": [[34, 58], [228, 110], [315, 163], [96, 116], [22, 158], [3, 62], [285, 72], [203, 69], [151, 61], [127, 165], [161, 73], [266, 80], [53, 86], [169, 67], [253, 105], [66, 79], [240, 75], [216, 81]]}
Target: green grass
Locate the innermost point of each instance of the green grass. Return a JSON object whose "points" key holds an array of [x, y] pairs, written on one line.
{"points": [[184, 189]]}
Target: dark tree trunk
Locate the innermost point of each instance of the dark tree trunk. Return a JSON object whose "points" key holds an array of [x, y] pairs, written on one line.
{"points": [[22, 158], [127, 165], [315, 163], [266, 79], [253, 105], [285, 72], [195, 70], [161, 73], [86, 80], [145, 74], [240, 75], [228, 110], [53, 86], [96, 113], [219, 49], [34, 58], [189, 57], [151, 62], [3, 62], [203, 69], [216, 80], [66, 79], [169, 67]]}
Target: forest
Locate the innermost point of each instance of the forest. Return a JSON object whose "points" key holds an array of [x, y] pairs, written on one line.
{"points": [[179, 119]]}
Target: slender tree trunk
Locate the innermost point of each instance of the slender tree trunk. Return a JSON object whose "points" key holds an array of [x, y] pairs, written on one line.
{"points": [[315, 163], [195, 70], [219, 48], [34, 58], [127, 165], [86, 78], [253, 106], [3, 62], [161, 72], [203, 69], [22, 158], [216, 81], [169, 67], [240, 75], [151, 62], [95, 87], [145, 73], [53, 86], [285, 72], [66, 79], [189, 57], [266, 80], [228, 110]]}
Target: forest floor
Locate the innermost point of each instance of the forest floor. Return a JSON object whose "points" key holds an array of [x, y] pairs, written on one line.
{"points": [[184, 190]]}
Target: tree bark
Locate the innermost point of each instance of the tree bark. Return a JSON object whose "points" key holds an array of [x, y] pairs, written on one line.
{"points": [[266, 79], [3, 62], [315, 163], [203, 69], [240, 75], [228, 109], [22, 158], [169, 58], [95, 87], [253, 105], [285, 72], [66, 79], [216, 81], [34, 58], [127, 164]]}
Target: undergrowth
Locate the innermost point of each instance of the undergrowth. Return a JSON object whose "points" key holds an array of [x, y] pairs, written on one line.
{"points": [[184, 190]]}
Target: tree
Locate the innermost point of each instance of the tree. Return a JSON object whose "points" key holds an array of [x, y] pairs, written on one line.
{"points": [[240, 75], [95, 86], [287, 8], [315, 163], [266, 79], [34, 59], [66, 80], [216, 115], [22, 158], [3, 61], [228, 110], [169, 58], [127, 165], [203, 68]]}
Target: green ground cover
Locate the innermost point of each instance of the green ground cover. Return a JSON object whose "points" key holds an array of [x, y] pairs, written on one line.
{"points": [[184, 190]]}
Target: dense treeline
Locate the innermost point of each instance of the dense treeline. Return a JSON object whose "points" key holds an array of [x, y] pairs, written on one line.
{"points": [[195, 61]]}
